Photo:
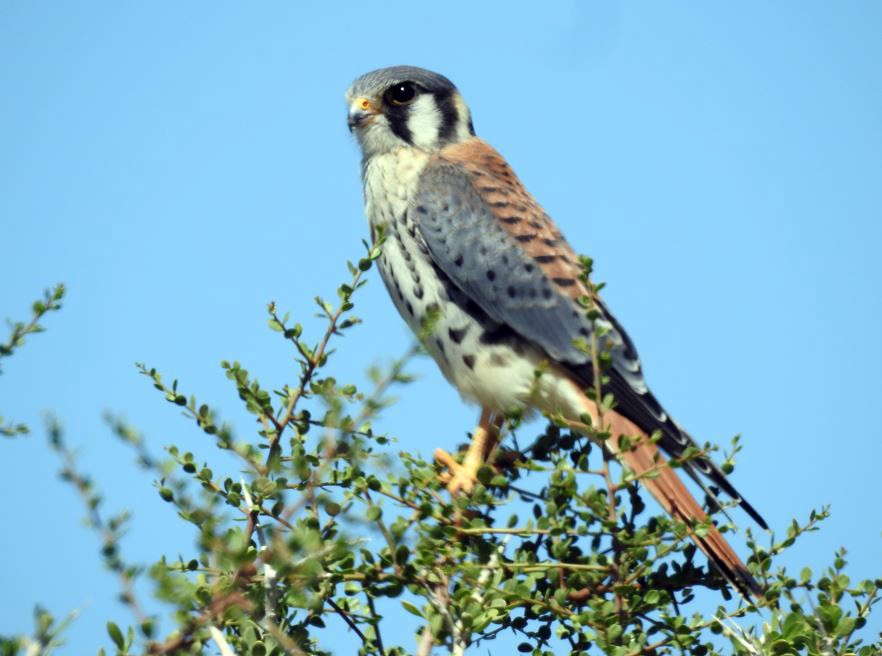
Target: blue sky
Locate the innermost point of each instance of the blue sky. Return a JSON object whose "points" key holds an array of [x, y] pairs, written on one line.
{"points": [[178, 165]]}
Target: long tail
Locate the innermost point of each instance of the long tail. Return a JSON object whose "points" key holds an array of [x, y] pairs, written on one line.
{"points": [[674, 497]]}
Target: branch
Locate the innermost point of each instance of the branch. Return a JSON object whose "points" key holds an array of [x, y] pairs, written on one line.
{"points": [[110, 531]]}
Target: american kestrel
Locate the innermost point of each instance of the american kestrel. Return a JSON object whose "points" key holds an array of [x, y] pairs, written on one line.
{"points": [[479, 270]]}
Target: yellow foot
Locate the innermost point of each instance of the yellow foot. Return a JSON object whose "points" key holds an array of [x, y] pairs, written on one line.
{"points": [[458, 477]]}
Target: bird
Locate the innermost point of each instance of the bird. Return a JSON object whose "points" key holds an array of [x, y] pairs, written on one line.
{"points": [[482, 274]]}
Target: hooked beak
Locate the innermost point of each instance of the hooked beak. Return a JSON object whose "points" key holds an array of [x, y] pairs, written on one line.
{"points": [[361, 112]]}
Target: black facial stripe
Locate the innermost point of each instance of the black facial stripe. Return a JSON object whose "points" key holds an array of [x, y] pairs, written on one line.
{"points": [[397, 117], [449, 115]]}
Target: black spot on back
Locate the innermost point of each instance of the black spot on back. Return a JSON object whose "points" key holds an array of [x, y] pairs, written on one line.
{"points": [[457, 335]]}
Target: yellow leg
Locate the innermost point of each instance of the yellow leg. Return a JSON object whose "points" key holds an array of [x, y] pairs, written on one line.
{"points": [[463, 476]]}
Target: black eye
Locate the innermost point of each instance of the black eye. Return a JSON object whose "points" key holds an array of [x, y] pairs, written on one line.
{"points": [[402, 93]]}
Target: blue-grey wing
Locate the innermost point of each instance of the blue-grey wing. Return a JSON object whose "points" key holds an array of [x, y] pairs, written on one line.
{"points": [[496, 245], [472, 248]]}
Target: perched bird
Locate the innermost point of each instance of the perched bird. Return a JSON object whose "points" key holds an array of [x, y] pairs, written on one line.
{"points": [[478, 269]]}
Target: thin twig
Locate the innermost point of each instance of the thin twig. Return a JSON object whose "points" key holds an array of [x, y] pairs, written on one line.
{"points": [[269, 574], [426, 642], [345, 616], [376, 624], [461, 643], [313, 361], [220, 641], [108, 536]]}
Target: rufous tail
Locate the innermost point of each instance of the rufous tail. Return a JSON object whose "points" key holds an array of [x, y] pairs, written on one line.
{"points": [[642, 456]]}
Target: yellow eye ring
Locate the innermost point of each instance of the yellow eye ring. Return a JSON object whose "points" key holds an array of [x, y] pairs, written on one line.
{"points": [[365, 104]]}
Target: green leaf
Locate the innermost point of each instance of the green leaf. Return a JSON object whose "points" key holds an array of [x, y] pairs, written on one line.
{"points": [[846, 626], [116, 635], [830, 616], [652, 597]]}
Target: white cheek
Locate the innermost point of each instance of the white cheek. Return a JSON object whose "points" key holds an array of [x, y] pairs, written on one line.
{"points": [[424, 122]]}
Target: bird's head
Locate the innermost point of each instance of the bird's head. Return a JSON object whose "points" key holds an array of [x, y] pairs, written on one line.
{"points": [[406, 106]]}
